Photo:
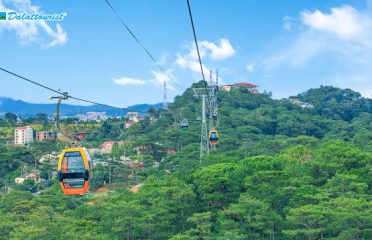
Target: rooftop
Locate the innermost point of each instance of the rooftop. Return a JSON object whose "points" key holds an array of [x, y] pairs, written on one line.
{"points": [[243, 84]]}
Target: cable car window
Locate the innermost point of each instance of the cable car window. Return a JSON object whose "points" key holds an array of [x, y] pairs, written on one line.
{"points": [[73, 169], [214, 136], [73, 162]]}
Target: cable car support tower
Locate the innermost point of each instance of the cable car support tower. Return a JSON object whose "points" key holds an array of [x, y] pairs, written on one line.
{"points": [[203, 94]]}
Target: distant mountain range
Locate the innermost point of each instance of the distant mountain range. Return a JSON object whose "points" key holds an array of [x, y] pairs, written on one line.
{"points": [[25, 109]]}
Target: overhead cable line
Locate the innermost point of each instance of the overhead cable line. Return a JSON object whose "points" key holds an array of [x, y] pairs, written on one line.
{"points": [[33, 82], [96, 103], [197, 49], [141, 44], [57, 91]]}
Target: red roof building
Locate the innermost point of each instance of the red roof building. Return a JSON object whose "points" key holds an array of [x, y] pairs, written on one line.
{"points": [[80, 137], [107, 145], [242, 84], [134, 189], [249, 86], [171, 151], [102, 189]]}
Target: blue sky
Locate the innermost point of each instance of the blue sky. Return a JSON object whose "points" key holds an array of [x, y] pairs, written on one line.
{"points": [[283, 46]]}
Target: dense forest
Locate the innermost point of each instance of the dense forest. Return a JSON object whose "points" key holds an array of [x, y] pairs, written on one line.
{"points": [[280, 171]]}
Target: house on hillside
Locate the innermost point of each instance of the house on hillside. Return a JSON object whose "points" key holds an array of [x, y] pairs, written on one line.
{"points": [[132, 115], [52, 158], [128, 125], [303, 105], [22, 178], [135, 188], [19, 121], [107, 146], [136, 166], [46, 135], [171, 151], [141, 149]]}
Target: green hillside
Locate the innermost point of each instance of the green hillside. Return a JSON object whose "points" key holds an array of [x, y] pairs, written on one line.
{"points": [[280, 171]]}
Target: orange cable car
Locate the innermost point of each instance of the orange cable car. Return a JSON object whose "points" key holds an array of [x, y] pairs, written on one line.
{"points": [[213, 137], [75, 171]]}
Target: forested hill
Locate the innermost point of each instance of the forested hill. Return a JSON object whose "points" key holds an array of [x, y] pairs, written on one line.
{"points": [[261, 125], [280, 171]]}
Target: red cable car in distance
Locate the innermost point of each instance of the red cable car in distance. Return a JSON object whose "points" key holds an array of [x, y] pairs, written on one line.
{"points": [[75, 171]]}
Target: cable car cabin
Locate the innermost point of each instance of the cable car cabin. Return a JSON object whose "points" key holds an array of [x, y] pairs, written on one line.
{"points": [[75, 171], [184, 124], [215, 115], [213, 137]]}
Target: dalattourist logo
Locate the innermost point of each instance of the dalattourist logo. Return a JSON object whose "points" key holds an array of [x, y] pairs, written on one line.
{"points": [[15, 16], [2, 15]]}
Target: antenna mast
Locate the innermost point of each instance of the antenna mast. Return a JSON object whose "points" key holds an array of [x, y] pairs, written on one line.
{"points": [[165, 105]]}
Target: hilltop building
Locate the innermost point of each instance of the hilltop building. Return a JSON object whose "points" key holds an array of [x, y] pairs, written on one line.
{"points": [[23, 135], [248, 86]]}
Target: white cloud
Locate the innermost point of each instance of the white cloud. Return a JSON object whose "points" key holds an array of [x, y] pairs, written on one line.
{"points": [[218, 52], [301, 50], [287, 23], [213, 51], [190, 64], [345, 31], [163, 59], [59, 36], [193, 53], [161, 77], [158, 80], [341, 39], [250, 67], [345, 22], [29, 31], [129, 81]]}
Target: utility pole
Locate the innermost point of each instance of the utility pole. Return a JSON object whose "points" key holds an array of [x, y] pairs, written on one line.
{"points": [[246, 145], [204, 145], [110, 173], [211, 120], [36, 172], [165, 105], [56, 114]]}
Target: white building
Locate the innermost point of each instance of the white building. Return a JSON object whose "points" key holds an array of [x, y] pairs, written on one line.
{"points": [[22, 178], [23, 135], [301, 104], [92, 116], [132, 116]]}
